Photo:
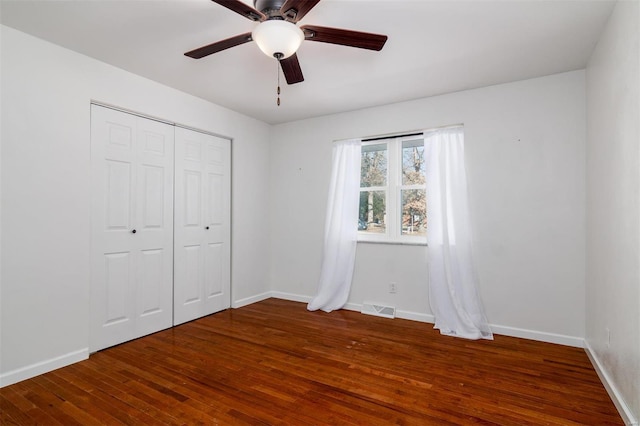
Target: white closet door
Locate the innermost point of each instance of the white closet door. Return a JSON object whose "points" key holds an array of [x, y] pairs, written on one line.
{"points": [[202, 225], [132, 227]]}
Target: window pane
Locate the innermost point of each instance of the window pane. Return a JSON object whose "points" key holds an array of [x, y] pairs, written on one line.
{"points": [[413, 168], [373, 212], [414, 212], [373, 166]]}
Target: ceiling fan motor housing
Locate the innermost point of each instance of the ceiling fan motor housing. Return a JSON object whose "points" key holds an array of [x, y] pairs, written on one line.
{"points": [[270, 8]]}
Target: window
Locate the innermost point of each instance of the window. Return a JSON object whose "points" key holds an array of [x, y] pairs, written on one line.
{"points": [[392, 191]]}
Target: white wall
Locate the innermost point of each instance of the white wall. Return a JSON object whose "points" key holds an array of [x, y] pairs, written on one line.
{"points": [[46, 92], [525, 147], [613, 203]]}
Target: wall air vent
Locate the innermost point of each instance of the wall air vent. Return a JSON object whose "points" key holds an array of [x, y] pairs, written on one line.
{"points": [[378, 310]]}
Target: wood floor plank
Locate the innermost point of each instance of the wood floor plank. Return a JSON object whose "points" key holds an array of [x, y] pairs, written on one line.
{"points": [[275, 363], [10, 414], [74, 395], [35, 409]]}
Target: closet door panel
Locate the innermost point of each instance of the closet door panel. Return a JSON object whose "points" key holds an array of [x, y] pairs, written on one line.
{"points": [[218, 218], [202, 203], [118, 191], [213, 270], [191, 288], [118, 270], [188, 279], [192, 199], [113, 138], [132, 227], [153, 188], [151, 282], [154, 224]]}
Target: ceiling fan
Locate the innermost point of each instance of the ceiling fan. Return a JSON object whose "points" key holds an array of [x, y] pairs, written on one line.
{"points": [[278, 36]]}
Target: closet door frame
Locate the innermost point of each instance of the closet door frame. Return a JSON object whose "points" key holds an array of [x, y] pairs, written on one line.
{"points": [[97, 342]]}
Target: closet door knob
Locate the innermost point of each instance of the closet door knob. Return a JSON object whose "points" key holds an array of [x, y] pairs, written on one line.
{"points": [[134, 231], [206, 227]]}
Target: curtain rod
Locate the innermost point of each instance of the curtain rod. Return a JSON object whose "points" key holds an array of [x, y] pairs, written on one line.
{"points": [[406, 135], [411, 133]]}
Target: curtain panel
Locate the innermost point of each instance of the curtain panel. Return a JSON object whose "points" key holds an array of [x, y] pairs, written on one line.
{"points": [[453, 288], [341, 228]]}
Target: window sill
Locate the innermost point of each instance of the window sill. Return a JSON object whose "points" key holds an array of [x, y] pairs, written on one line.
{"points": [[394, 243]]}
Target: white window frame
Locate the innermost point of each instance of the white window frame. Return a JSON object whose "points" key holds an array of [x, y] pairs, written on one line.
{"points": [[393, 196]]}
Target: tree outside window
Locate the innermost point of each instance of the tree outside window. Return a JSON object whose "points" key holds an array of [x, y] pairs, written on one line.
{"points": [[373, 184], [414, 197]]}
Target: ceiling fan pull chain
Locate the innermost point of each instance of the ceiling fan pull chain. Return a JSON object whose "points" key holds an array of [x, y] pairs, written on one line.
{"points": [[278, 73]]}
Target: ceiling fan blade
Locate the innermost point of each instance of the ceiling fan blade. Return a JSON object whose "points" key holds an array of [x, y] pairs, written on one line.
{"points": [[291, 69], [344, 37], [242, 9], [212, 48], [296, 9]]}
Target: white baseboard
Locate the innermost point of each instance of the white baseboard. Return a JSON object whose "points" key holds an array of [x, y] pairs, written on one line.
{"points": [[42, 367], [541, 336], [249, 300], [612, 390], [353, 307], [291, 296], [408, 315], [415, 316]]}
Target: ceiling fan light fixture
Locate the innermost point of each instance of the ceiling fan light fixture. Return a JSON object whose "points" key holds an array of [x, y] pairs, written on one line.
{"points": [[278, 38]]}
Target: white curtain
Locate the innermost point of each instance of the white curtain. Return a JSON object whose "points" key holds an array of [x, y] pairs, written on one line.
{"points": [[453, 292], [340, 229]]}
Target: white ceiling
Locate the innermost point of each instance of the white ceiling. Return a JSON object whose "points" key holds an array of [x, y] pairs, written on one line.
{"points": [[434, 47]]}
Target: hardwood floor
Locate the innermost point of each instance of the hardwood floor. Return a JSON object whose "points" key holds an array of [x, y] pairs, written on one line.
{"points": [[275, 363]]}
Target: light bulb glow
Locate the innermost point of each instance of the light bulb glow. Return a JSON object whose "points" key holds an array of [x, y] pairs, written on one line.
{"points": [[276, 36]]}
